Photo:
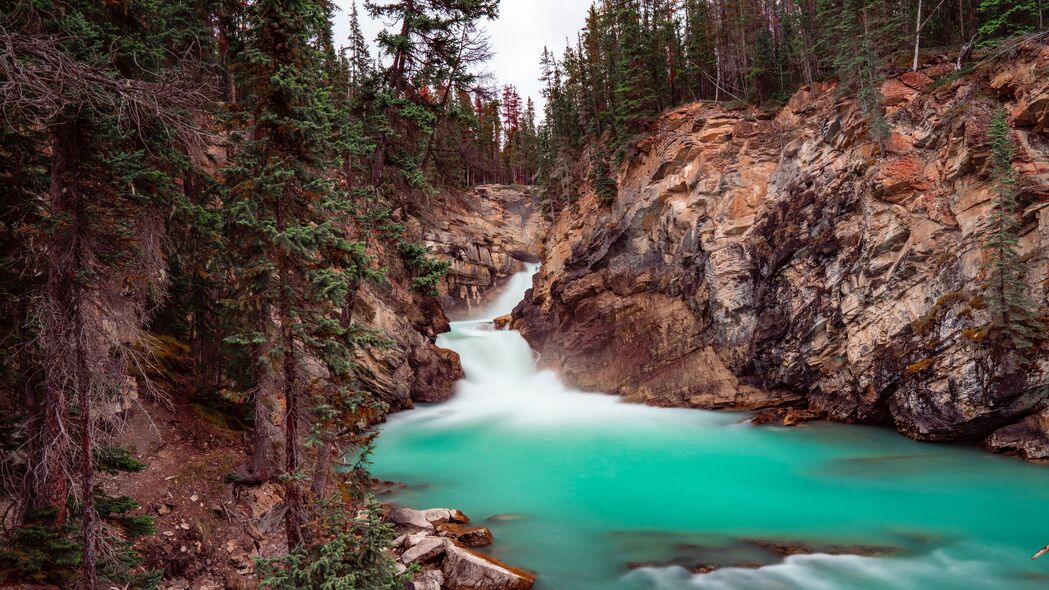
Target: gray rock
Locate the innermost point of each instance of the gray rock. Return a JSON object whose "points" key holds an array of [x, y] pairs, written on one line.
{"points": [[1028, 438], [465, 570], [429, 580], [424, 519], [427, 549]]}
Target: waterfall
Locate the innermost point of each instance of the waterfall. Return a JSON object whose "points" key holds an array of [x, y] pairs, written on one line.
{"points": [[593, 493]]}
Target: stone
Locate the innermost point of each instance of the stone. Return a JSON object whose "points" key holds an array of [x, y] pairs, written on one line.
{"points": [[471, 536], [427, 549], [1028, 438], [486, 235], [502, 322], [466, 570], [801, 270], [425, 519], [429, 580]]}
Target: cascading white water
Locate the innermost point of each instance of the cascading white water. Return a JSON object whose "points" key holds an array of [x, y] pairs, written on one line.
{"points": [[595, 484]]}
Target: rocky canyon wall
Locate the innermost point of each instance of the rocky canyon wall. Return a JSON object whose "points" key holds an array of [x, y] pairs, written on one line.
{"points": [[487, 234], [758, 259]]}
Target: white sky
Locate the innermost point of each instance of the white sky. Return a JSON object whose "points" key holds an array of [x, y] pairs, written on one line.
{"points": [[524, 27]]}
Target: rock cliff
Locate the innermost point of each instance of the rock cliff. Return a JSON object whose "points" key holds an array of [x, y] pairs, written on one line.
{"points": [[756, 259], [486, 234]]}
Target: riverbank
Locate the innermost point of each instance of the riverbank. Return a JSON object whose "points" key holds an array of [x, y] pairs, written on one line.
{"points": [[610, 495]]}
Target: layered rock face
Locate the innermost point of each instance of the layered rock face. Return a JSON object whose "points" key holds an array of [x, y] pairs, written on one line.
{"points": [[487, 234], [410, 367], [754, 260]]}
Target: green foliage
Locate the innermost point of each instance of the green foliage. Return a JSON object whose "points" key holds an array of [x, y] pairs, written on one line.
{"points": [[114, 460], [603, 184], [854, 38], [1005, 18], [1014, 316], [352, 554], [41, 552], [427, 271]]}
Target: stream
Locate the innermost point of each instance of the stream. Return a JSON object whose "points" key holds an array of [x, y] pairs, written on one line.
{"points": [[591, 493]]}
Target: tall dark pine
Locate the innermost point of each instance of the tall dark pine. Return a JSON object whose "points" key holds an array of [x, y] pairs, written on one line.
{"points": [[283, 217], [95, 85], [1014, 316]]}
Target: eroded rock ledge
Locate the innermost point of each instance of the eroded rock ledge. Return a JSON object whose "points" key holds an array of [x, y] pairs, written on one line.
{"points": [[756, 260]]}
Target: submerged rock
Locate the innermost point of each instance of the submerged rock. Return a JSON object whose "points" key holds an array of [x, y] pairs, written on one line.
{"points": [[505, 517], [700, 558]]}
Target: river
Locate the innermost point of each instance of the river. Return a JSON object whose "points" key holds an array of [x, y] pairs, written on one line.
{"points": [[591, 493]]}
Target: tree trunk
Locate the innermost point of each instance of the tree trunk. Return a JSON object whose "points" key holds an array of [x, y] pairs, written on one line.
{"points": [[263, 462], [87, 468], [917, 36], [65, 341], [293, 517], [58, 315]]}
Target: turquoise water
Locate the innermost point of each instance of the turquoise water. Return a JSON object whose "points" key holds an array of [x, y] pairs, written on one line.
{"points": [[591, 493]]}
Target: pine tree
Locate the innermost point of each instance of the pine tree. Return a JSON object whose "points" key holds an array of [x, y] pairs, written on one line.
{"points": [[358, 57], [1014, 316], [100, 89], [288, 250]]}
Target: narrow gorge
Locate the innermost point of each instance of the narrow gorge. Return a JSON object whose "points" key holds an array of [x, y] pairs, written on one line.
{"points": [[524, 295], [775, 261], [763, 262]]}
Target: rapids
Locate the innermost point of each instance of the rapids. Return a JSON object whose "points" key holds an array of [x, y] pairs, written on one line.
{"points": [[591, 493]]}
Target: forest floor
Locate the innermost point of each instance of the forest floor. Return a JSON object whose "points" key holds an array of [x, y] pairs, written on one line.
{"points": [[207, 529]]}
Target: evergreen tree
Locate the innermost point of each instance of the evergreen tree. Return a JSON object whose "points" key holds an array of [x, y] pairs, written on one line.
{"points": [[98, 86], [1014, 316], [288, 251]]}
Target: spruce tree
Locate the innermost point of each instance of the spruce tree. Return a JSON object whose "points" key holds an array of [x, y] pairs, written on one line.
{"points": [[288, 251], [1014, 316]]}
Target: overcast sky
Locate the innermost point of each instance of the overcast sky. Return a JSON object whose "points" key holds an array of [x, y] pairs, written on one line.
{"points": [[518, 37]]}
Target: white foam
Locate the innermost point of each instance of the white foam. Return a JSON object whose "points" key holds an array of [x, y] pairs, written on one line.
{"points": [[502, 382], [822, 571]]}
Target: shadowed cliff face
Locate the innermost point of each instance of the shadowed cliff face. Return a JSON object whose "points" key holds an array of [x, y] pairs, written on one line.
{"points": [[755, 260]]}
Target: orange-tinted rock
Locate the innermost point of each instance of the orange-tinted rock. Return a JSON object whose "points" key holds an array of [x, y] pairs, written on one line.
{"points": [[471, 536], [751, 263], [899, 174], [916, 80], [895, 92]]}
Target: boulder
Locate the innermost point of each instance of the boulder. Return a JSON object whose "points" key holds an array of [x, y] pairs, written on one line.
{"points": [[471, 536], [1028, 438], [424, 519], [466, 570], [429, 580], [427, 549]]}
